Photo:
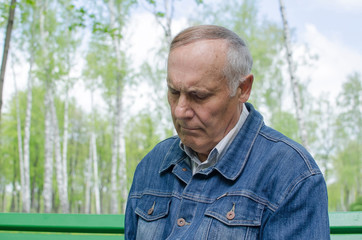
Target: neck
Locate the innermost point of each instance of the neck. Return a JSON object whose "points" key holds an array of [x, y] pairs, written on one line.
{"points": [[202, 157]]}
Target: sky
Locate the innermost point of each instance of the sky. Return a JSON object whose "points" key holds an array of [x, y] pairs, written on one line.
{"points": [[331, 29]]}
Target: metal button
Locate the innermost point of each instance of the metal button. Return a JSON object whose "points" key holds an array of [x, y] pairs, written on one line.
{"points": [[181, 222], [230, 215], [184, 169], [150, 211]]}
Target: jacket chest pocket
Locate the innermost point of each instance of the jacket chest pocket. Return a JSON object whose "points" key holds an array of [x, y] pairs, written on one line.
{"points": [[152, 211], [231, 217]]}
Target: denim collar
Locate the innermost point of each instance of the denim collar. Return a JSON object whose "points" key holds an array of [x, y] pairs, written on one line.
{"points": [[232, 163]]}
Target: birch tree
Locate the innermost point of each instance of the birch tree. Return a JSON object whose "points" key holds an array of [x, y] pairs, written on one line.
{"points": [[51, 70], [93, 78], [57, 44], [153, 71], [116, 10], [6, 49], [95, 173], [111, 71], [24, 166], [41, 9], [88, 179], [163, 13], [60, 171], [294, 83], [48, 162], [27, 45], [324, 117], [265, 42], [68, 43]]}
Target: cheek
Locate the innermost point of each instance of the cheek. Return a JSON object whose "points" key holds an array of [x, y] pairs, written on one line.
{"points": [[213, 115], [206, 115]]}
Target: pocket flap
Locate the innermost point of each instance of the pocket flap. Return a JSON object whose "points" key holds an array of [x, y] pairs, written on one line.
{"points": [[236, 211], [152, 207]]}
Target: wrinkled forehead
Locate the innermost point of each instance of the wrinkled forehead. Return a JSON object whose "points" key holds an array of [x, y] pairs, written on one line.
{"points": [[200, 59], [207, 51], [200, 56]]}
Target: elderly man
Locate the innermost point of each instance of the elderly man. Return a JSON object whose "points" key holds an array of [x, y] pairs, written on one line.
{"points": [[226, 175]]}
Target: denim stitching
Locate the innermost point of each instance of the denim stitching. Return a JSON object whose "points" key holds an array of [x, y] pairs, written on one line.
{"points": [[305, 159]]}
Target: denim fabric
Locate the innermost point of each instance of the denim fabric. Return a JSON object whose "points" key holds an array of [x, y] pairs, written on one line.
{"points": [[265, 186]]}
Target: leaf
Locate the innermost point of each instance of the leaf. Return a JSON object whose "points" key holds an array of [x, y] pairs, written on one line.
{"points": [[151, 2], [160, 14]]}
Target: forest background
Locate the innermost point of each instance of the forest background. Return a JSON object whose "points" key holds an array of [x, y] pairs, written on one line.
{"points": [[88, 98]]}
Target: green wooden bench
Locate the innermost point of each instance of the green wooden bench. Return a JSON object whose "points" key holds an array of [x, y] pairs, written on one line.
{"points": [[346, 225], [33, 226]]}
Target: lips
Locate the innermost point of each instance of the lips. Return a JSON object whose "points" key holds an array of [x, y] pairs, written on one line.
{"points": [[188, 129]]}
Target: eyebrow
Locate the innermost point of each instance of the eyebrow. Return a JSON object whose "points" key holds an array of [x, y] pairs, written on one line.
{"points": [[188, 91]]}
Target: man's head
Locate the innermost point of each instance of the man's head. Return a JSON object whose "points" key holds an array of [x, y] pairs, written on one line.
{"points": [[208, 78], [239, 60]]}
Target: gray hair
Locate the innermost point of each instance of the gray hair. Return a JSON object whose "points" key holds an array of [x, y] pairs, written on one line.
{"points": [[239, 60]]}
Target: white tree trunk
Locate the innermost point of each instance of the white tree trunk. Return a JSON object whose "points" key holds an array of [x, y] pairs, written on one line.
{"points": [[6, 49], [88, 177], [122, 155], [123, 172], [95, 174], [63, 195], [48, 162], [27, 131], [65, 145], [294, 82], [25, 199], [116, 120], [114, 190], [49, 141], [169, 10]]}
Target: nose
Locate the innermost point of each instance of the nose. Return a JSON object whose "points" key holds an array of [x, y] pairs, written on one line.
{"points": [[183, 109]]}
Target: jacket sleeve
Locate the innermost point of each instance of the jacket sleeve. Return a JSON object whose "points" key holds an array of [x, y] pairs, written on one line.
{"points": [[302, 212], [131, 218]]}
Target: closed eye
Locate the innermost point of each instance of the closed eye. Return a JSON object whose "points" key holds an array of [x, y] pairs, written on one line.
{"points": [[173, 91], [199, 96]]}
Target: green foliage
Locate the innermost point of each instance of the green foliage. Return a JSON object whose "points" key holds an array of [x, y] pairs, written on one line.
{"points": [[8, 149], [264, 39], [347, 161], [74, 31], [141, 137], [357, 205], [79, 17], [350, 103], [4, 13], [286, 123]]}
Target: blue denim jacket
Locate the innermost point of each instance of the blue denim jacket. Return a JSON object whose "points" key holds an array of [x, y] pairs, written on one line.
{"points": [[266, 186]]}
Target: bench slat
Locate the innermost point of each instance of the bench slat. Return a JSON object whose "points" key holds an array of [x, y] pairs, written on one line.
{"points": [[346, 237], [79, 223], [345, 222], [14, 226], [9, 235]]}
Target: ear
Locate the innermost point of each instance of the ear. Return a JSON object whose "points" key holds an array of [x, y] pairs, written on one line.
{"points": [[245, 88]]}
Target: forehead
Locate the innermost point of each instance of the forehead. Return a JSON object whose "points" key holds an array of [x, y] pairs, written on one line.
{"points": [[198, 63], [202, 57], [206, 49]]}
